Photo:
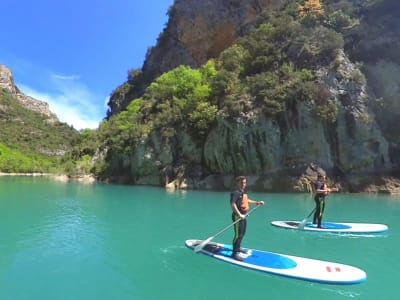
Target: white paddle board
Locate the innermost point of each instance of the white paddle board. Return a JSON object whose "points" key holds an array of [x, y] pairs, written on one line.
{"points": [[354, 228], [285, 265]]}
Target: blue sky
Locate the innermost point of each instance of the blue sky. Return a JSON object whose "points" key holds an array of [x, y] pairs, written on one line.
{"points": [[72, 54]]}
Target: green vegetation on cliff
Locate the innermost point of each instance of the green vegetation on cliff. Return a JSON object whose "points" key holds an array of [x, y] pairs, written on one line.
{"points": [[290, 66], [264, 74], [28, 141]]}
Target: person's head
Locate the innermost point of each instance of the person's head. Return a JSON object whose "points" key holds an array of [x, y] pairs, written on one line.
{"points": [[241, 182], [321, 177]]}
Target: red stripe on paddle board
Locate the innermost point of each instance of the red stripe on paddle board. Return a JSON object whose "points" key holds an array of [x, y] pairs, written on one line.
{"points": [[328, 268]]}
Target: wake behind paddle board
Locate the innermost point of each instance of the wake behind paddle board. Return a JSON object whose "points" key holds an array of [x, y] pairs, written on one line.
{"points": [[285, 265], [353, 228]]}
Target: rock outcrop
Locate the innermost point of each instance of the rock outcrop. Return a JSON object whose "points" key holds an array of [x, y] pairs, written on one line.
{"points": [[7, 83], [200, 30], [196, 31]]}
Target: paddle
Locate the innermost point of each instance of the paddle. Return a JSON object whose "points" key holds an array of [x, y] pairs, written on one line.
{"points": [[205, 242], [304, 222]]}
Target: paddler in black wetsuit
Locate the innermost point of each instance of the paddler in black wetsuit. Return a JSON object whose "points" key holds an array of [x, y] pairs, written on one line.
{"points": [[240, 207], [321, 190]]}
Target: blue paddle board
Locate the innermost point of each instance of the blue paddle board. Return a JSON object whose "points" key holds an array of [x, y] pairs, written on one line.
{"points": [[285, 265], [353, 228]]}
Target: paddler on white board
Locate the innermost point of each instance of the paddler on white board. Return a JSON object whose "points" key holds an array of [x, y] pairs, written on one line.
{"points": [[321, 190], [240, 206]]}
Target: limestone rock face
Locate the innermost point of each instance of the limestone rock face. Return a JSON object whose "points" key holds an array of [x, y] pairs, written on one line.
{"points": [[358, 143], [375, 44], [200, 30], [7, 83], [196, 31]]}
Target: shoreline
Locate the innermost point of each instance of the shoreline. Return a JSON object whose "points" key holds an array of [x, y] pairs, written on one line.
{"points": [[59, 177], [385, 185], [25, 174]]}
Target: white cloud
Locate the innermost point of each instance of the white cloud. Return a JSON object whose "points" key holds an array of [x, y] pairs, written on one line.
{"points": [[70, 100], [64, 77], [67, 95]]}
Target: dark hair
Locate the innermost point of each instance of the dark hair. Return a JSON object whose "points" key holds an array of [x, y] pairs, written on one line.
{"points": [[240, 178]]}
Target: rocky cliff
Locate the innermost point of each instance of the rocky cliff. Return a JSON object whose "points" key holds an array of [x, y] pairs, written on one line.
{"points": [[196, 31], [360, 149], [7, 83], [375, 45]]}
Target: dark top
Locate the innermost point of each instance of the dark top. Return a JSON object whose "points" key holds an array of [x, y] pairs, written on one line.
{"points": [[237, 197], [318, 185]]}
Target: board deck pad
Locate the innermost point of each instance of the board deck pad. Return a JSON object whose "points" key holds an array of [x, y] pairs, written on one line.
{"points": [[335, 227], [325, 225], [285, 265], [269, 260]]}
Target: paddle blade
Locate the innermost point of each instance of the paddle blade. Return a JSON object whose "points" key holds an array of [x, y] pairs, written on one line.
{"points": [[302, 224], [202, 244]]}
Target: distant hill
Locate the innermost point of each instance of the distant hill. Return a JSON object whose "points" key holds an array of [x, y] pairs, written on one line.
{"points": [[32, 139]]}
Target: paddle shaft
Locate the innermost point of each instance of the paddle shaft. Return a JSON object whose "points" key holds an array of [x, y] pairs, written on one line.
{"points": [[229, 226], [303, 223], [311, 213], [205, 242]]}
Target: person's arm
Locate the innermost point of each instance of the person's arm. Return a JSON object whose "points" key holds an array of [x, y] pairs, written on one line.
{"points": [[236, 210], [256, 202], [321, 188], [325, 190]]}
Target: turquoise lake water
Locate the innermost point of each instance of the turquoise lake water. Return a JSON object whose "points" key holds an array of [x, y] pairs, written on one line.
{"points": [[76, 241]]}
